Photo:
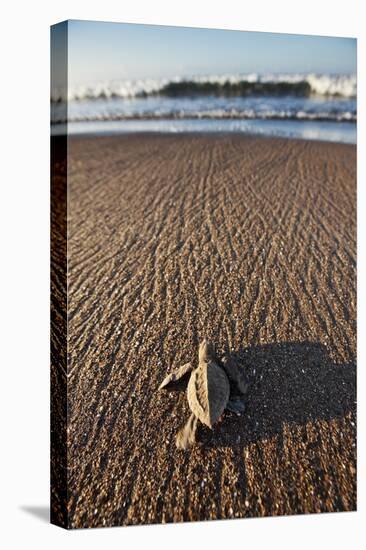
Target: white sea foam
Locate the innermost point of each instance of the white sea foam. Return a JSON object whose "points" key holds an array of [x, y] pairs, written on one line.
{"points": [[325, 85], [339, 132], [215, 114]]}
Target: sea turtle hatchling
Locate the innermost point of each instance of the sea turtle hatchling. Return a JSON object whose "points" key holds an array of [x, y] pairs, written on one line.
{"points": [[212, 387]]}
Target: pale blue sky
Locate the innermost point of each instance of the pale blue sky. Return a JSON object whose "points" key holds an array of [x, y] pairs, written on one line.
{"points": [[111, 51]]}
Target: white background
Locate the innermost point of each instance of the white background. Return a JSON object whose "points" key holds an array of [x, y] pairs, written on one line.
{"points": [[24, 75]]}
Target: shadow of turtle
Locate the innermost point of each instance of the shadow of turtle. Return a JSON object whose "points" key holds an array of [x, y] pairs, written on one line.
{"points": [[289, 382]]}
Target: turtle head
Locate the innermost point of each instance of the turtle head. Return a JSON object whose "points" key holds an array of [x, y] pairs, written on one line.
{"points": [[206, 351]]}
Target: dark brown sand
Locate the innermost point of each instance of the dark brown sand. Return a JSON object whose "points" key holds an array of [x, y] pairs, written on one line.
{"points": [[250, 242]]}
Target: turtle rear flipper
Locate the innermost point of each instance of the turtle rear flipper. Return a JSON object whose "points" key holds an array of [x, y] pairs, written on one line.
{"points": [[186, 436], [178, 379]]}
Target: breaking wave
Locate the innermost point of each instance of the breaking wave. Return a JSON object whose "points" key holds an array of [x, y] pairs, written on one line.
{"points": [[298, 85]]}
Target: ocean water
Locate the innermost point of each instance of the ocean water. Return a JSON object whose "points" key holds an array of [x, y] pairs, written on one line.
{"points": [[304, 106]]}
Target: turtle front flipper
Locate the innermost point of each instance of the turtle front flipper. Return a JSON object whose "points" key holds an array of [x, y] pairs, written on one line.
{"points": [[186, 437], [236, 405], [178, 379], [235, 374]]}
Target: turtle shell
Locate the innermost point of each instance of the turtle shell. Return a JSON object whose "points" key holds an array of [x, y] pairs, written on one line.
{"points": [[208, 392]]}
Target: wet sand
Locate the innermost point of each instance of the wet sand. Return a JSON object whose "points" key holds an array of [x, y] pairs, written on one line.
{"points": [[250, 242]]}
